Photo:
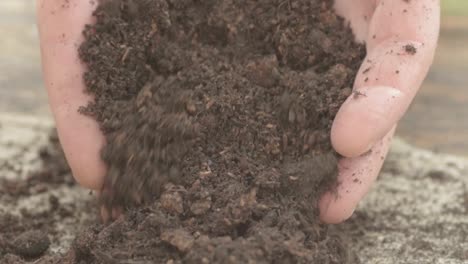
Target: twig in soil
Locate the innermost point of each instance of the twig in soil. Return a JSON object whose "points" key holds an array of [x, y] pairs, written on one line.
{"points": [[125, 55]]}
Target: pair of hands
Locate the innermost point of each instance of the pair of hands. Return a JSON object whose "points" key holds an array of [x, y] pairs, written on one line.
{"points": [[389, 79]]}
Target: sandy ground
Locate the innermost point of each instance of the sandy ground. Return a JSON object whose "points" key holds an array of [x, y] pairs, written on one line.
{"points": [[416, 213]]}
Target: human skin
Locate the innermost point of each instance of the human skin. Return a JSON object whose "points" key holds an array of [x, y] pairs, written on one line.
{"points": [[362, 129]]}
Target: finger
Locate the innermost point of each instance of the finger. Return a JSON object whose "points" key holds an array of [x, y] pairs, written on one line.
{"points": [[356, 176], [60, 28], [401, 43]]}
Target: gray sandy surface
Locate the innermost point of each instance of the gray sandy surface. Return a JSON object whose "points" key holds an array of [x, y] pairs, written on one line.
{"points": [[21, 137], [416, 213]]}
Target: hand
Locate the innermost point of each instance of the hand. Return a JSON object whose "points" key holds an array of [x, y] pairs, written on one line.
{"points": [[386, 84], [387, 94]]}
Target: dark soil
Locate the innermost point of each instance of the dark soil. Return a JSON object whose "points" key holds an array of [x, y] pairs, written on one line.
{"points": [[31, 244], [217, 116]]}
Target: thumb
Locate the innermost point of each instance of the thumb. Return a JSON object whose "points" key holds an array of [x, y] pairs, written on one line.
{"points": [[366, 117], [385, 86], [401, 43]]}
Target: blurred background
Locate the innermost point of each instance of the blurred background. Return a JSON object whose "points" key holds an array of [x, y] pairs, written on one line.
{"points": [[437, 120]]}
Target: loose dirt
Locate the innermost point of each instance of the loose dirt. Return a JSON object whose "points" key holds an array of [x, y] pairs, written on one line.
{"points": [[217, 116]]}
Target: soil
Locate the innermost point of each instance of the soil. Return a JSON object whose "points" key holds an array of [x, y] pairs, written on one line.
{"points": [[217, 116], [27, 233], [387, 224], [54, 171]]}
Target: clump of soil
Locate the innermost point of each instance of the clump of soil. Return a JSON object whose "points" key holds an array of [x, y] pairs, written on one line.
{"points": [[217, 116], [31, 244]]}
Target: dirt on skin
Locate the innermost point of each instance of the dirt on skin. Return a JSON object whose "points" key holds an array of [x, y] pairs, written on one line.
{"points": [[217, 117]]}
